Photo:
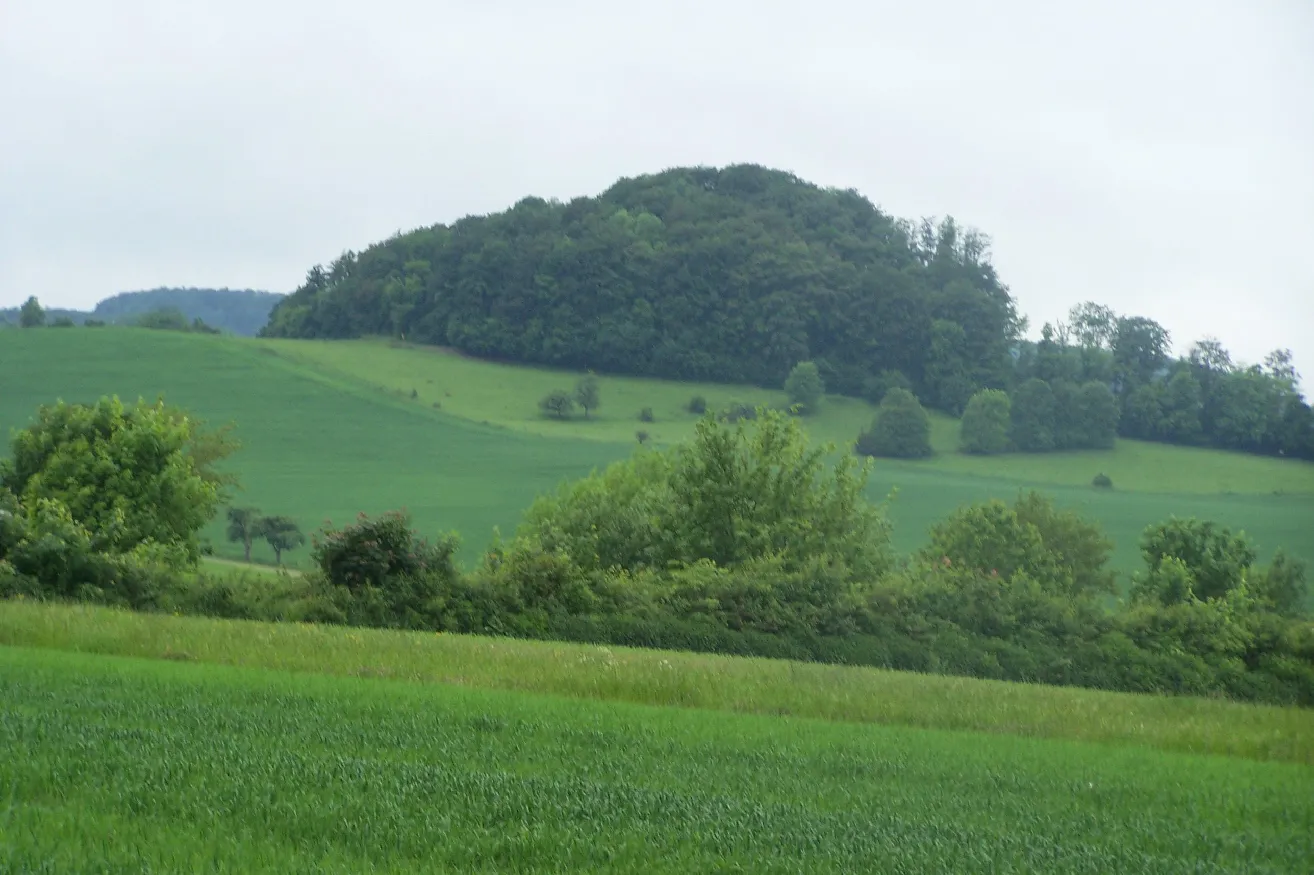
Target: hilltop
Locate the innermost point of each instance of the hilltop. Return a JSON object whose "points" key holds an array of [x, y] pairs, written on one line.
{"points": [[237, 311]]}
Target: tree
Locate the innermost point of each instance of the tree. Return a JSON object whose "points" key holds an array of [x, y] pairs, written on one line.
{"points": [[281, 533], [129, 475], [588, 394], [1093, 325], [804, 387], [985, 423], [901, 429], [1031, 417], [1183, 404], [948, 373], [557, 404], [1097, 411], [244, 526], [1215, 560], [1140, 349], [31, 315]]}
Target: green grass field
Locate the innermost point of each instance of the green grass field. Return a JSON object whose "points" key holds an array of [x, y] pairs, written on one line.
{"points": [[114, 764], [330, 429], [759, 686]]}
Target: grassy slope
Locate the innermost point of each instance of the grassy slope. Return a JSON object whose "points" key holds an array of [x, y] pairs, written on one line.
{"points": [[1273, 499], [134, 765], [312, 449], [329, 429], [763, 686]]}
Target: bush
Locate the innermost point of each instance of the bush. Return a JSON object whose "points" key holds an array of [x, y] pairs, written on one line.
{"points": [[645, 415], [901, 428], [875, 388], [804, 387], [1102, 481], [698, 405], [378, 552], [737, 411], [985, 423], [641, 436]]}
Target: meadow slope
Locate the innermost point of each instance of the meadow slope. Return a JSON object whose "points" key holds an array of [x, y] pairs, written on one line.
{"points": [[150, 765], [331, 428]]}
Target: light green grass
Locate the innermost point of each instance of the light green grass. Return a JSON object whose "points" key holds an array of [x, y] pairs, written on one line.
{"points": [[762, 686], [216, 566], [329, 430], [507, 395], [135, 766]]}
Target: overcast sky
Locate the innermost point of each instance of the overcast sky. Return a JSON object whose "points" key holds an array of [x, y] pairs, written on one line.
{"points": [[1157, 156]]}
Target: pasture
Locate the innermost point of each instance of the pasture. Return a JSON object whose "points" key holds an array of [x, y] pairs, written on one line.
{"points": [[115, 764], [330, 429]]}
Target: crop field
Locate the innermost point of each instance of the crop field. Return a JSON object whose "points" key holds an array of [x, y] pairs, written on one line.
{"points": [[650, 677], [331, 429], [113, 764]]}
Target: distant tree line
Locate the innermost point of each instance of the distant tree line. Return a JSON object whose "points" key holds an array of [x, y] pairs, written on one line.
{"points": [[239, 311]]}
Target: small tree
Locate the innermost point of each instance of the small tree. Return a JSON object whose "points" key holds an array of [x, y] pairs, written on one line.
{"points": [[1031, 417], [805, 387], [557, 404], [282, 533], [244, 526], [698, 405], [985, 423], [31, 315], [901, 428], [588, 394]]}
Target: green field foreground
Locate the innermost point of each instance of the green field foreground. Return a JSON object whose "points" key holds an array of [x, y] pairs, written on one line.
{"points": [[112, 764], [736, 684]]}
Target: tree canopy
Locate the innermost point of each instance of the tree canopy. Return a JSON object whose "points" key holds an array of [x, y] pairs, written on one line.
{"points": [[733, 274]]}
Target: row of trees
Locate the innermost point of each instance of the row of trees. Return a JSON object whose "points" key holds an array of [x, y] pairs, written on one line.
{"points": [[246, 525]]}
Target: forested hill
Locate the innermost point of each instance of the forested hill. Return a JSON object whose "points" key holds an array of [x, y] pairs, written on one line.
{"points": [[239, 311], [732, 274]]}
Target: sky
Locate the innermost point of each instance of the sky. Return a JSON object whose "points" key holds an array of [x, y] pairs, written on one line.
{"points": [[1154, 156]]}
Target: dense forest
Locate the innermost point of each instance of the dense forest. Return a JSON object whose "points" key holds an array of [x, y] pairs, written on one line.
{"points": [[237, 311], [740, 273]]}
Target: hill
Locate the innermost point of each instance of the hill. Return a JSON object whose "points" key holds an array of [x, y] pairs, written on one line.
{"points": [[237, 311], [730, 275], [331, 428]]}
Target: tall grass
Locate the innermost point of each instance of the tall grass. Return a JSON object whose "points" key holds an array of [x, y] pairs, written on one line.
{"points": [[761, 686], [129, 766]]}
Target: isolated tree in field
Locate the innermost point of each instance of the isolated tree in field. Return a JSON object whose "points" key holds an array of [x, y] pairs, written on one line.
{"points": [[281, 533], [129, 475], [985, 423], [31, 315], [244, 526], [557, 404], [1031, 417], [901, 430], [588, 394], [804, 387]]}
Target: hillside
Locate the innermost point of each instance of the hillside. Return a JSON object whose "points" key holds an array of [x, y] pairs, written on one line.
{"points": [[237, 311], [730, 275], [330, 429]]}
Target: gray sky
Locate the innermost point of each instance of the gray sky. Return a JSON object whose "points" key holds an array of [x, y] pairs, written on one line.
{"points": [[1156, 156]]}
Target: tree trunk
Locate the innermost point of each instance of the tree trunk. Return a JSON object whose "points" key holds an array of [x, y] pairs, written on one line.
{"points": [[247, 545], [278, 556]]}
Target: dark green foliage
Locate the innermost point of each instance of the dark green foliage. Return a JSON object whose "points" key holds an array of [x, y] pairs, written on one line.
{"points": [[641, 436], [805, 388], [698, 405], [558, 404], [732, 274], [985, 425], [1102, 481], [900, 430], [62, 322], [1031, 417], [588, 394], [240, 311], [949, 382], [244, 527], [31, 314], [281, 533], [737, 411], [875, 388], [645, 415]]}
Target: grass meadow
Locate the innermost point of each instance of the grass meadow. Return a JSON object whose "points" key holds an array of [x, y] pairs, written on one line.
{"points": [[330, 429], [758, 686], [120, 764]]}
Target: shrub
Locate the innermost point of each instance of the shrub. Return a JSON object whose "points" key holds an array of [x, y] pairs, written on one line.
{"points": [[378, 552], [738, 410], [901, 428], [804, 387], [1102, 481], [985, 423], [698, 405], [641, 436], [875, 388], [645, 415], [1032, 417]]}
